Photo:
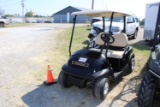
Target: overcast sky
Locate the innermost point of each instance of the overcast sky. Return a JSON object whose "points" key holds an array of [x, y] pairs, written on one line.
{"points": [[48, 7]]}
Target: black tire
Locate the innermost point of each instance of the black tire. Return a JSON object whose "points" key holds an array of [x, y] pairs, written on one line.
{"points": [[63, 80], [1, 25], [135, 34], [99, 87], [131, 64], [147, 91], [147, 40]]}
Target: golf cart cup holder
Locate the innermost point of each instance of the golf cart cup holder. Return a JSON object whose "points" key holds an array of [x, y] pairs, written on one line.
{"points": [[107, 38]]}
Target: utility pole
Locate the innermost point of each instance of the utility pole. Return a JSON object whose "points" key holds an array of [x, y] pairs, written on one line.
{"points": [[23, 17], [92, 5]]}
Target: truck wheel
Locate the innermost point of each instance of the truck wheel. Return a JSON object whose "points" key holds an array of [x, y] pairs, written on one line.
{"points": [[147, 91], [1, 25], [131, 64], [63, 80], [101, 88], [135, 34]]}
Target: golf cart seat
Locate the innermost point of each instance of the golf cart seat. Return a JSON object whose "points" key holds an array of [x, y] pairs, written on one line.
{"points": [[120, 43]]}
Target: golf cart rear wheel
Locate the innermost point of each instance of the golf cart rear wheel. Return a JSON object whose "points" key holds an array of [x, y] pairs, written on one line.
{"points": [[63, 80], [131, 64], [147, 91], [101, 88]]}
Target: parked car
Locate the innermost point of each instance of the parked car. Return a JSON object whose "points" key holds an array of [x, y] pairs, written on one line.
{"points": [[132, 26], [48, 21], [40, 21], [4, 20]]}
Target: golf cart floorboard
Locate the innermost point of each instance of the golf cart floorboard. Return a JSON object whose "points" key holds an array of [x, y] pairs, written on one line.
{"points": [[117, 74]]}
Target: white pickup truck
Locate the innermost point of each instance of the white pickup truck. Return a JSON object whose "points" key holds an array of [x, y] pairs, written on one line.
{"points": [[3, 21], [132, 26]]}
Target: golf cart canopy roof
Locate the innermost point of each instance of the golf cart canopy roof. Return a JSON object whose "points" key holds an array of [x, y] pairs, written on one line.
{"points": [[100, 13]]}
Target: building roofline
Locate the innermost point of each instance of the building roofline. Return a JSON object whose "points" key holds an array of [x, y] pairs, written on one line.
{"points": [[78, 8]]}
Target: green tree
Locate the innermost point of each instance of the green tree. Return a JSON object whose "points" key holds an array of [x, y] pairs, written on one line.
{"points": [[142, 22], [38, 15], [9, 15], [29, 14]]}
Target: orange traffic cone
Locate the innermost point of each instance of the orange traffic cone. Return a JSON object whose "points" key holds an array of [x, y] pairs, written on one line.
{"points": [[50, 79]]}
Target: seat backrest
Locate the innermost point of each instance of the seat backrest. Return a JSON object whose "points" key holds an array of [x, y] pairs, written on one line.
{"points": [[98, 39], [121, 40]]}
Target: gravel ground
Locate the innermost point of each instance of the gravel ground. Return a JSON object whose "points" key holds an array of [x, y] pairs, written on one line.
{"points": [[25, 52], [20, 49]]}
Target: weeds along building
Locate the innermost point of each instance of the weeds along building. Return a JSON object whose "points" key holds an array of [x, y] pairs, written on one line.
{"points": [[64, 15]]}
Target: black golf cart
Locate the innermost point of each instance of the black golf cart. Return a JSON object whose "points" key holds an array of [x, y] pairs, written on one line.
{"points": [[99, 68], [150, 86]]}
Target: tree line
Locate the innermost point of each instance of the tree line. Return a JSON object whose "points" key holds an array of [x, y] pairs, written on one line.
{"points": [[27, 14]]}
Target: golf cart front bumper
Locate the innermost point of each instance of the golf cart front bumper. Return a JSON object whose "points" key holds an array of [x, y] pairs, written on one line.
{"points": [[80, 78]]}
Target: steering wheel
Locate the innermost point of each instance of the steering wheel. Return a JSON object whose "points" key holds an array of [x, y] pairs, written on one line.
{"points": [[107, 38]]}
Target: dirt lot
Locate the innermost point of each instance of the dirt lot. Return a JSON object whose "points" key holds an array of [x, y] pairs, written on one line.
{"points": [[24, 55]]}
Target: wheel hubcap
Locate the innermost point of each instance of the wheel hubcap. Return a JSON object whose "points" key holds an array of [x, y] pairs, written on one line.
{"points": [[106, 88], [132, 63]]}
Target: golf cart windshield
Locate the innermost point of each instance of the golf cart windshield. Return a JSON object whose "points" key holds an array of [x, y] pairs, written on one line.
{"points": [[115, 19]]}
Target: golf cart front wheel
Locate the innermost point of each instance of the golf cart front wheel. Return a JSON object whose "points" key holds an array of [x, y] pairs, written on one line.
{"points": [[131, 64], [101, 88], [63, 80], [147, 91]]}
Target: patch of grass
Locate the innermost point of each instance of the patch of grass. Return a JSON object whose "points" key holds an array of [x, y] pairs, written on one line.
{"points": [[61, 54], [141, 56], [18, 24]]}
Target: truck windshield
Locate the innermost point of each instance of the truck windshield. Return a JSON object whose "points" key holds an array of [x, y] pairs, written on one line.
{"points": [[4, 17], [115, 19]]}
